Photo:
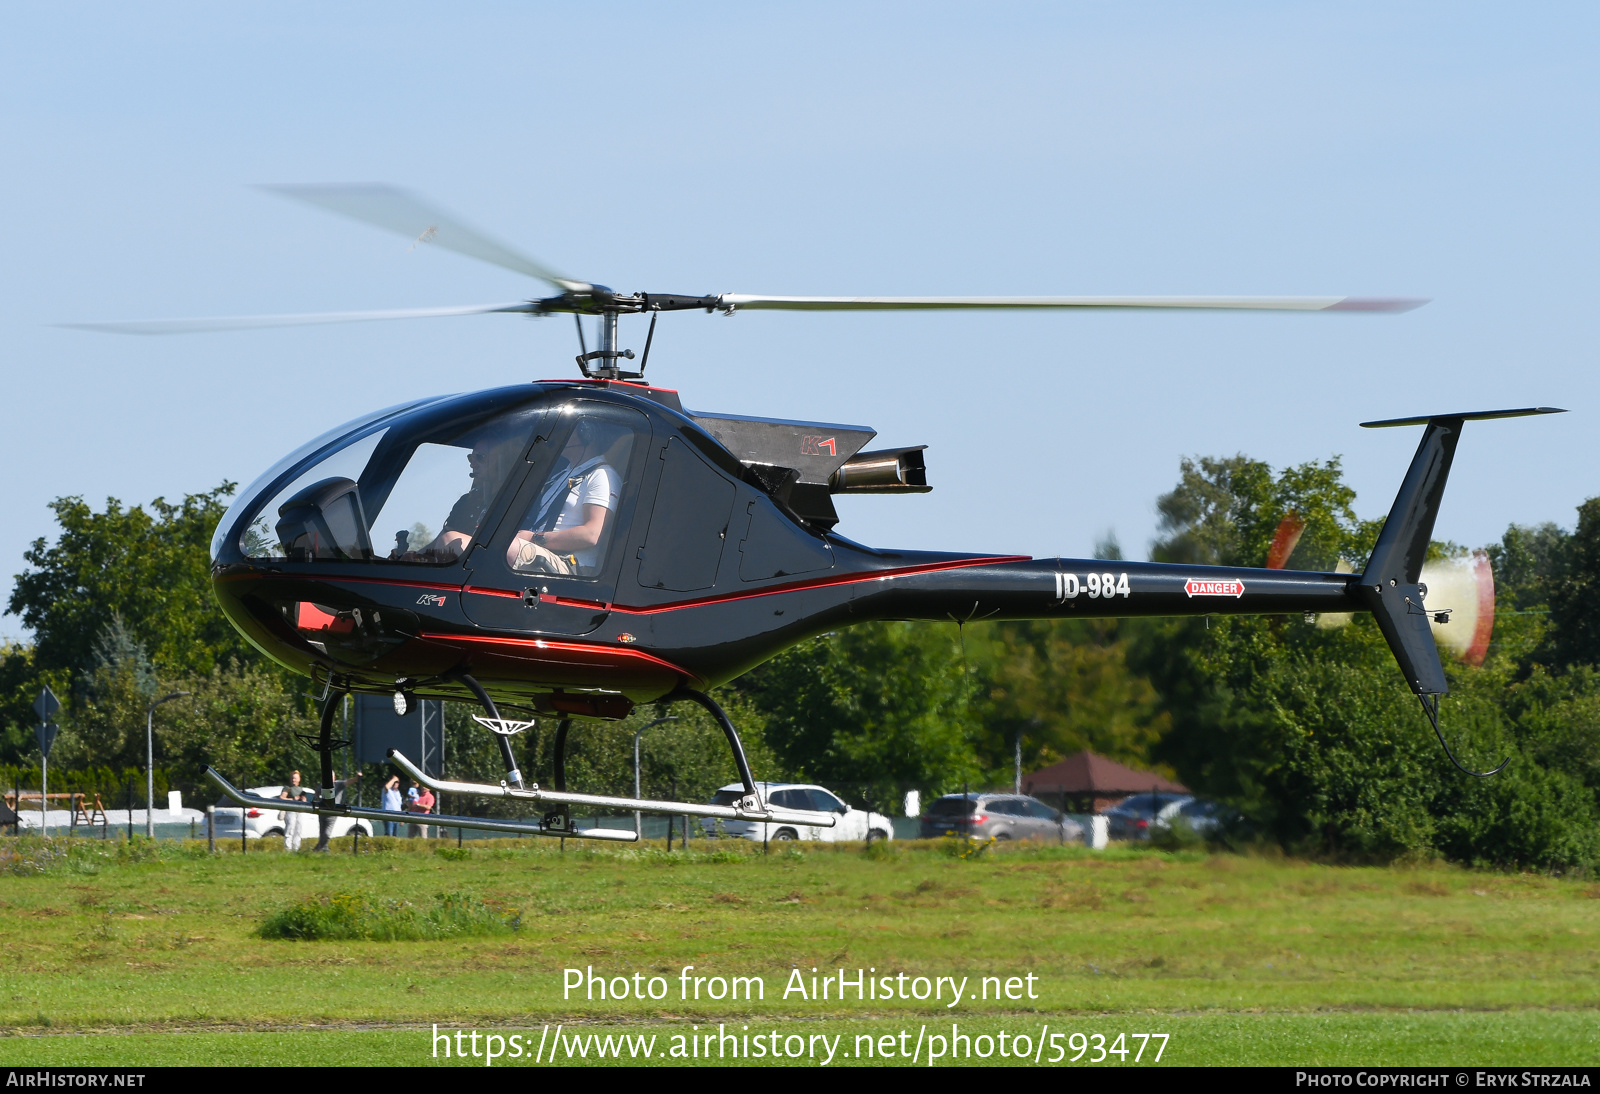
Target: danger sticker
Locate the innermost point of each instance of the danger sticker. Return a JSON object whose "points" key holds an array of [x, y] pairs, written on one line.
{"points": [[1207, 587]]}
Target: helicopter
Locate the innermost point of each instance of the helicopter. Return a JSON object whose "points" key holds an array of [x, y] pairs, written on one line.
{"points": [[574, 548]]}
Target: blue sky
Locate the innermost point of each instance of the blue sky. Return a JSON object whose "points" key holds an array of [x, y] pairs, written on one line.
{"points": [[1437, 150]]}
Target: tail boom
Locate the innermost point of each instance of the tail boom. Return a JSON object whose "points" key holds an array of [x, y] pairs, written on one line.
{"points": [[1095, 588]]}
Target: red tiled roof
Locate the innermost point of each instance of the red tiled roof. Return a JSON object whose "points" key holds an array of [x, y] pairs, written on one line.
{"points": [[1086, 773]]}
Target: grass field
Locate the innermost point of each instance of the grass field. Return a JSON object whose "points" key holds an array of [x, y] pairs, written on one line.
{"points": [[128, 956]]}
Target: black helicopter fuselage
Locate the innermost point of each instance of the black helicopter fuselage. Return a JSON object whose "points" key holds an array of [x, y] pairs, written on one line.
{"points": [[717, 553]]}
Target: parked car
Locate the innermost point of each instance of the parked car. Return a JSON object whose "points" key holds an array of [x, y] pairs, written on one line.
{"points": [[1204, 818], [998, 816], [264, 823], [853, 824], [1130, 818]]}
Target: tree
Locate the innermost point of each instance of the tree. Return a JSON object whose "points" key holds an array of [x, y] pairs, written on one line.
{"points": [[1226, 511], [1063, 685], [880, 704], [105, 721], [1575, 593], [1311, 731], [19, 686], [242, 720], [150, 569], [1528, 562]]}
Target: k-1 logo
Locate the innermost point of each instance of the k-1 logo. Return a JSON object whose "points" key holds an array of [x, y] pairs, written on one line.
{"points": [[816, 446], [432, 600]]}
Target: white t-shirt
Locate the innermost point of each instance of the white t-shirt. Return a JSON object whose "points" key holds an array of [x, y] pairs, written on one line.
{"points": [[597, 485]]}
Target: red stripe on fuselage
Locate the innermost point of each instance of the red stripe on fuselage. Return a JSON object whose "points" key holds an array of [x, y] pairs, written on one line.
{"points": [[561, 647], [772, 590], [823, 583]]}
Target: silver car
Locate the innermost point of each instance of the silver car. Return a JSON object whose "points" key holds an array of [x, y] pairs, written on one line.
{"points": [[998, 816], [1205, 819]]}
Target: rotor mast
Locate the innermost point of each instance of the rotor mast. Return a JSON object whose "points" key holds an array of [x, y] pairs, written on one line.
{"points": [[605, 362]]}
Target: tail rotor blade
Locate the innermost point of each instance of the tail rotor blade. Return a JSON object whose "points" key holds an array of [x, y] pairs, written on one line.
{"points": [[406, 214]]}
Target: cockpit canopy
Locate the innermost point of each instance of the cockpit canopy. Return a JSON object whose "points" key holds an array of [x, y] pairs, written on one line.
{"points": [[416, 483]]}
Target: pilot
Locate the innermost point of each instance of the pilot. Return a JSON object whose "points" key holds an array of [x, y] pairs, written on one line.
{"points": [[561, 532], [490, 459]]}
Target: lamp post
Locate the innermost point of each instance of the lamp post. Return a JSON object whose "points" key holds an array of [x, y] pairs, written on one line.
{"points": [[638, 817], [150, 765]]}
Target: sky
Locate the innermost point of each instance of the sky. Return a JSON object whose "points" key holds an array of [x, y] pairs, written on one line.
{"points": [[1445, 151]]}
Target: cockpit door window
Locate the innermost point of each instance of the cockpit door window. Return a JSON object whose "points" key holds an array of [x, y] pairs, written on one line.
{"points": [[566, 525], [550, 565]]}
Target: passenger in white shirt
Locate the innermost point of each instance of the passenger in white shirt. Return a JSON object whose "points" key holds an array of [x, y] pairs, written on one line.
{"points": [[562, 531]]}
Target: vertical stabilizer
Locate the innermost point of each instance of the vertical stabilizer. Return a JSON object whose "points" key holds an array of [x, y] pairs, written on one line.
{"points": [[1390, 586]]}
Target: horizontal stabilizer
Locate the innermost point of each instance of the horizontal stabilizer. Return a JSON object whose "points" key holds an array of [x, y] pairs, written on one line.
{"points": [[1468, 416]]}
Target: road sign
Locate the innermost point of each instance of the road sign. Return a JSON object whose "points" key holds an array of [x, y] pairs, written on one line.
{"points": [[47, 736], [46, 705]]}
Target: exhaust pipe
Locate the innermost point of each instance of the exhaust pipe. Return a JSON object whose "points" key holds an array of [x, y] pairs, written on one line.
{"points": [[886, 471]]}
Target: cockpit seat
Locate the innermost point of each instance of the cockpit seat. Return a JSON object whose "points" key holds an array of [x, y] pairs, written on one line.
{"points": [[325, 521]]}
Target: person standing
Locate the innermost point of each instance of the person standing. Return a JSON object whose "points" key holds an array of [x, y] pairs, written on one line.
{"points": [[411, 807], [425, 803], [325, 824], [391, 803], [419, 799], [294, 824]]}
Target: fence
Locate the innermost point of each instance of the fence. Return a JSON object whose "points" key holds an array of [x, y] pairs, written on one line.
{"points": [[117, 789]]}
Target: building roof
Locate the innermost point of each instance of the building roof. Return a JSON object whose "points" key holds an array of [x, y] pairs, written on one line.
{"points": [[1086, 773]]}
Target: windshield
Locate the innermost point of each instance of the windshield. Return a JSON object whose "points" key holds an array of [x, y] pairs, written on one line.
{"points": [[251, 494], [415, 488], [952, 807]]}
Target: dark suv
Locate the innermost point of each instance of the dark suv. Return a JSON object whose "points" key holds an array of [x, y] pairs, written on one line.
{"points": [[1132, 817], [997, 816]]}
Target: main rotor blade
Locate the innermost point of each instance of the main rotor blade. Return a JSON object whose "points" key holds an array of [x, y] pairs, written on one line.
{"points": [[911, 303], [404, 213], [257, 322]]}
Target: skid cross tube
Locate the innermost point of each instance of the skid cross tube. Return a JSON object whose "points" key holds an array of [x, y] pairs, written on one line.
{"points": [[325, 742], [603, 801], [513, 776], [728, 731], [558, 768], [563, 815], [286, 805]]}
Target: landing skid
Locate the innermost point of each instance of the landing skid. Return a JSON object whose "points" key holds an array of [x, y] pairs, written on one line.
{"points": [[743, 810], [557, 820], [523, 828], [750, 807]]}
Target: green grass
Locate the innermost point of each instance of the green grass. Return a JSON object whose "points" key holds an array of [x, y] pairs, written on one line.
{"points": [[348, 917], [119, 955], [1448, 1039]]}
